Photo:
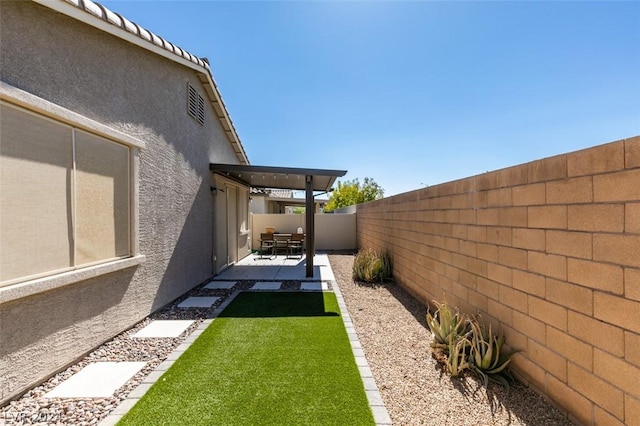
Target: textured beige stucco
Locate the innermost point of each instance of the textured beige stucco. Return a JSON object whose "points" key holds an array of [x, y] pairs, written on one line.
{"points": [[140, 94]]}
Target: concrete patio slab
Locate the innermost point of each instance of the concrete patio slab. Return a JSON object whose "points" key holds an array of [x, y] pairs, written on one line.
{"points": [[315, 286], [326, 273], [249, 272], [163, 328], [279, 268], [198, 302], [272, 285], [220, 285], [97, 380], [321, 260]]}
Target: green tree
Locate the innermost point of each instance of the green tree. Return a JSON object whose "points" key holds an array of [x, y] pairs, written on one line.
{"points": [[352, 192]]}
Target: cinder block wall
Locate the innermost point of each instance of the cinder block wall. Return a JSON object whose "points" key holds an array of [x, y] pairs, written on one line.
{"points": [[551, 251]]}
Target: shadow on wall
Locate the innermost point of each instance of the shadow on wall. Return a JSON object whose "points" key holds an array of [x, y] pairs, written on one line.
{"points": [[189, 261], [118, 87], [45, 314]]}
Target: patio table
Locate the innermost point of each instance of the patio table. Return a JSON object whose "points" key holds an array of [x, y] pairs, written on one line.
{"points": [[282, 242]]}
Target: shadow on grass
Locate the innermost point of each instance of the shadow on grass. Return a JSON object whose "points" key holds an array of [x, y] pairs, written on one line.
{"points": [[263, 304]]}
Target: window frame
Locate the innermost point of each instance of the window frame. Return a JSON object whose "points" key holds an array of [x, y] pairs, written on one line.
{"points": [[29, 285]]}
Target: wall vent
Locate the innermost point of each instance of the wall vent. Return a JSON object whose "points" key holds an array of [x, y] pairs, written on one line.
{"points": [[195, 104]]}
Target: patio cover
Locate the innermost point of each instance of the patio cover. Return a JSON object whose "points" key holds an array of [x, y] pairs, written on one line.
{"points": [[308, 180]]}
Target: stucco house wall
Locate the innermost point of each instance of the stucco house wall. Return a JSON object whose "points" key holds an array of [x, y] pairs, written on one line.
{"points": [[137, 92]]}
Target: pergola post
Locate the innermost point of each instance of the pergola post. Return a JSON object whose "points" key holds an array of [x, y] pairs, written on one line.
{"points": [[310, 217]]}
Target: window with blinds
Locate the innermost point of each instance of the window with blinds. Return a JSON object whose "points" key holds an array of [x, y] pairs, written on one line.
{"points": [[195, 104], [65, 197]]}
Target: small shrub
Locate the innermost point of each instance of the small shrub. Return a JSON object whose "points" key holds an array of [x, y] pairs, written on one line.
{"points": [[371, 266]]}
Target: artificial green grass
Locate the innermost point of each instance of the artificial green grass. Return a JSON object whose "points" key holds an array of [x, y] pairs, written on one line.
{"points": [[270, 358]]}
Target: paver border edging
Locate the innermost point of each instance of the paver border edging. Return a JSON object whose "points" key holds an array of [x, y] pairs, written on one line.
{"points": [[380, 414]]}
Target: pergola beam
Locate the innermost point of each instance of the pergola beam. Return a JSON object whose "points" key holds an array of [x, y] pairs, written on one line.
{"points": [[286, 178], [310, 223]]}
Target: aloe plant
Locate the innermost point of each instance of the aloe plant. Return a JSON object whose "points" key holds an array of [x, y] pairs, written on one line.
{"points": [[487, 357], [448, 329], [370, 265], [456, 362]]}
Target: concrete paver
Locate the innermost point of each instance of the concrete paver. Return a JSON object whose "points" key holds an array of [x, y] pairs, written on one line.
{"points": [[163, 328], [198, 302], [220, 285], [270, 285], [97, 380], [315, 286]]}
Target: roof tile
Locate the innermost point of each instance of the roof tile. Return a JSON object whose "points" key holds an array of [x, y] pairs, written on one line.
{"points": [[93, 8], [143, 33], [113, 18], [129, 26], [157, 40]]}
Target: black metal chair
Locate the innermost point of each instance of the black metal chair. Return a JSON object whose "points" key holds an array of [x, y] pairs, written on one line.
{"points": [[267, 244], [295, 245]]}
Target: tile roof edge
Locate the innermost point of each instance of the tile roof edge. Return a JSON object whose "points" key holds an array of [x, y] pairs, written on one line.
{"points": [[108, 16], [98, 16]]}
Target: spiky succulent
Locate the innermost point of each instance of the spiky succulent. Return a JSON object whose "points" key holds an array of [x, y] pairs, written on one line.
{"points": [[487, 357], [448, 329]]}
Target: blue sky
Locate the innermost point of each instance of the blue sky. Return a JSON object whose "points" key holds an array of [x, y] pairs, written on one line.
{"points": [[413, 93]]}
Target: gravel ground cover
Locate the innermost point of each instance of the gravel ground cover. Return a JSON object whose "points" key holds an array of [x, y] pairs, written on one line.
{"points": [[393, 333]]}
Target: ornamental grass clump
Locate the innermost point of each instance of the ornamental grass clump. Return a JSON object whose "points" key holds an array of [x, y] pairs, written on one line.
{"points": [[465, 344], [371, 266]]}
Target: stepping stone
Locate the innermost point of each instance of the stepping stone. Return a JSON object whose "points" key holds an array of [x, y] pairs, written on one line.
{"points": [[163, 328], [220, 285], [267, 285], [198, 302], [97, 380], [314, 286]]}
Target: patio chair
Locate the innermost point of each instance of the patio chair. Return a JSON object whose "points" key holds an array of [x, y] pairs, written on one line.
{"points": [[281, 243], [295, 245], [267, 245]]}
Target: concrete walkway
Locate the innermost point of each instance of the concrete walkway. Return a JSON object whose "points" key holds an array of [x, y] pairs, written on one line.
{"points": [[272, 271]]}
